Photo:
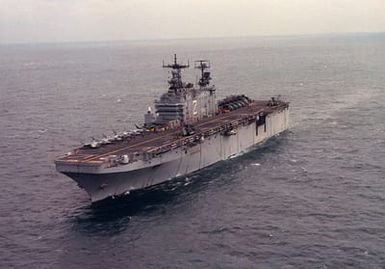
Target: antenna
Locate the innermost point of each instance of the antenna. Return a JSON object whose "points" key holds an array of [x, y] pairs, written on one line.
{"points": [[176, 79], [203, 65], [175, 65]]}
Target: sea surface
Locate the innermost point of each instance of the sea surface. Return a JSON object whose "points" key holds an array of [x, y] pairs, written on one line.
{"points": [[313, 197]]}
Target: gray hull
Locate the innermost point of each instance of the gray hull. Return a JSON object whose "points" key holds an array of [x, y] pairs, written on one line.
{"points": [[100, 184]]}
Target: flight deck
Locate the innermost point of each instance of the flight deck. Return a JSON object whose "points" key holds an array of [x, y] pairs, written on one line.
{"points": [[159, 142]]}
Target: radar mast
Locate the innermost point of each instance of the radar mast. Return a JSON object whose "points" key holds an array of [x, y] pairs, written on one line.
{"points": [[203, 65], [176, 80]]}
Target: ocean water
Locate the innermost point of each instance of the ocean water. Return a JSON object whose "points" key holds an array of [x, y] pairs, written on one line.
{"points": [[314, 197]]}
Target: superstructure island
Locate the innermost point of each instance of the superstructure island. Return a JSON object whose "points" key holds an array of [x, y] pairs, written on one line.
{"points": [[190, 130]]}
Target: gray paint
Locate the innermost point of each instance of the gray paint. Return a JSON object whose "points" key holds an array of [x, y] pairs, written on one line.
{"points": [[114, 181]]}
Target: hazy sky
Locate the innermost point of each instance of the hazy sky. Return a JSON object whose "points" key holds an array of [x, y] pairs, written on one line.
{"points": [[87, 20]]}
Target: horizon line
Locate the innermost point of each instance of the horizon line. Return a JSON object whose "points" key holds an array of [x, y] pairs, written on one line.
{"points": [[190, 38]]}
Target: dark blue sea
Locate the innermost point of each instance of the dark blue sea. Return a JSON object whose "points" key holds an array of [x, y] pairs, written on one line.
{"points": [[313, 197]]}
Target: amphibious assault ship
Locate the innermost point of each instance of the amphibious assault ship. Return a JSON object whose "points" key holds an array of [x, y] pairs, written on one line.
{"points": [[189, 130]]}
